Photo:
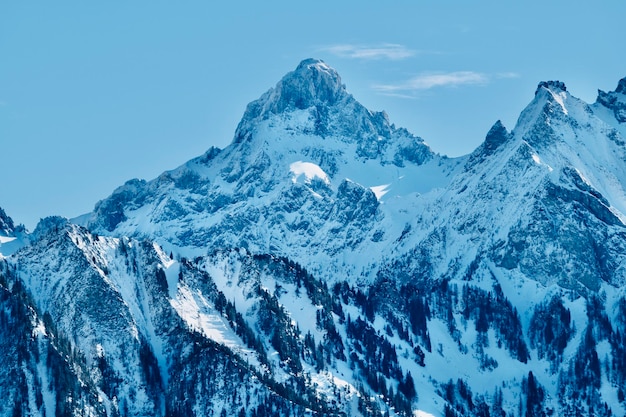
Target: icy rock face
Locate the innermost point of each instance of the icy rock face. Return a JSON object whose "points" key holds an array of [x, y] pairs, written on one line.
{"points": [[75, 279], [111, 211], [39, 369], [563, 191], [6, 224], [496, 136], [551, 85], [312, 100], [545, 199], [621, 86], [615, 100], [560, 240], [313, 87], [12, 237], [109, 339], [312, 83]]}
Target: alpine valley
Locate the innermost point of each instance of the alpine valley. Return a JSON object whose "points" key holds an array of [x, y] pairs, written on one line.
{"points": [[328, 263]]}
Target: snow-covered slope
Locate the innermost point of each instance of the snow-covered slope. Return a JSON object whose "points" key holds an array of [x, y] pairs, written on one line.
{"points": [[329, 263], [139, 330], [311, 175], [547, 199]]}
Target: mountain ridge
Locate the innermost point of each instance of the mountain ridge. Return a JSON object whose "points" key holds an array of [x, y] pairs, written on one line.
{"points": [[329, 263]]}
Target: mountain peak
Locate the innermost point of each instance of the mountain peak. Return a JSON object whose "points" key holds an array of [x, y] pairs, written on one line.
{"points": [[496, 136], [621, 89], [312, 99], [621, 86], [313, 82], [615, 101], [555, 86], [550, 101], [314, 63]]}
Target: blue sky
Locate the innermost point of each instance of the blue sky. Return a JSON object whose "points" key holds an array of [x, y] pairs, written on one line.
{"points": [[95, 93]]}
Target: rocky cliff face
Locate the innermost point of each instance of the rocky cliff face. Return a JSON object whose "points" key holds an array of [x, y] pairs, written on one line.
{"points": [[614, 101], [7, 228], [329, 263]]}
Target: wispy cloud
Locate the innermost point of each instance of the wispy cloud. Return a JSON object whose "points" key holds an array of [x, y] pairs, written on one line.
{"points": [[508, 75], [427, 81], [390, 51]]}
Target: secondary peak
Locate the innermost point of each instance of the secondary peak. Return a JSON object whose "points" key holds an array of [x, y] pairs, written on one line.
{"points": [[556, 86]]}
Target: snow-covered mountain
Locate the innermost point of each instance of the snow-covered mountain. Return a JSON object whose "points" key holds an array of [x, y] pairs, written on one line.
{"points": [[311, 175], [329, 263]]}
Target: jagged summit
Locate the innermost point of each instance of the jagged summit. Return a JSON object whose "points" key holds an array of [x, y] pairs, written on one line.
{"points": [[621, 89], [621, 86], [551, 104], [313, 86], [496, 136], [615, 101], [312, 83], [550, 96], [551, 85], [311, 104]]}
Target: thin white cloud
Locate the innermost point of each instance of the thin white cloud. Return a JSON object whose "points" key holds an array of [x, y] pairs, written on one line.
{"points": [[411, 96], [428, 81], [390, 51], [508, 75]]}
